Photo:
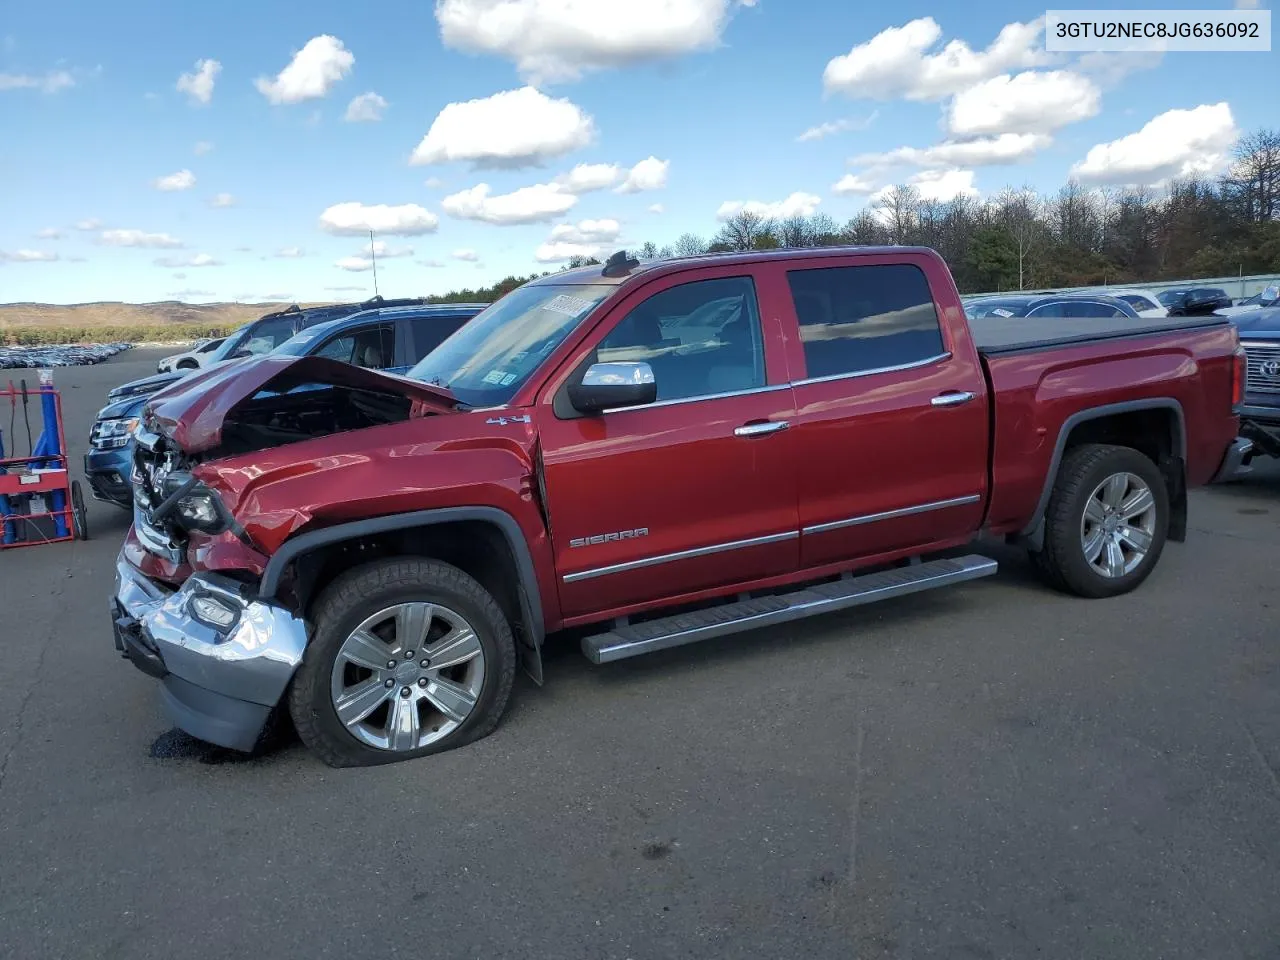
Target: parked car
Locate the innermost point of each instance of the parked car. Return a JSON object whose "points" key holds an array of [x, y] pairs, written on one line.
{"points": [[377, 553], [1145, 302], [1194, 301], [1268, 297], [1260, 415], [387, 338], [192, 359], [261, 336], [1049, 306]]}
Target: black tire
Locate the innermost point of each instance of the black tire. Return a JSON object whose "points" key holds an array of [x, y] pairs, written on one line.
{"points": [[79, 515], [1062, 562], [360, 593], [188, 365]]}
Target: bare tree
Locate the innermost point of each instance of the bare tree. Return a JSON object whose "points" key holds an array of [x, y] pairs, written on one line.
{"points": [[743, 229], [794, 232], [823, 231], [1022, 214], [1253, 183], [690, 245], [899, 209]]}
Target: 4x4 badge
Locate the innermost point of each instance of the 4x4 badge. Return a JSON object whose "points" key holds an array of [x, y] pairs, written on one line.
{"points": [[503, 421]]}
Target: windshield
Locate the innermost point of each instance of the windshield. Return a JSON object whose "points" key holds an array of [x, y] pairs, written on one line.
{"points": [[300, 343], [492, 355]]}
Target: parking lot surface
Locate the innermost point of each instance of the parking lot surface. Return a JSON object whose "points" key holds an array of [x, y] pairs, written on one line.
{"points": [[991, 771]]}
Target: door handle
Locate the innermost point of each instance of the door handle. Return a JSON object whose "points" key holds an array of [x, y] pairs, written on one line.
{"points": [[760, 429], [952, 398]]}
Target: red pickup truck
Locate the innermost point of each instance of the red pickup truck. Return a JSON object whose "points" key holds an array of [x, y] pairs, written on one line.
{"points": [[646, 454]]}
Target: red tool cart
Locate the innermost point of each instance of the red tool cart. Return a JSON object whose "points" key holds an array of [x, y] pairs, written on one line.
{"points": [[39, 502]]}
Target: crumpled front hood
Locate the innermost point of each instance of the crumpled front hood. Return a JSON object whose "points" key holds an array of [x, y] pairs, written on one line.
{"points": [[191, 412], [146, 385]]}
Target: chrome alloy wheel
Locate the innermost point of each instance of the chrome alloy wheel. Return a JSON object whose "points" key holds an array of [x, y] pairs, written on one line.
{"points": [[407, 676], [1118, 525]]}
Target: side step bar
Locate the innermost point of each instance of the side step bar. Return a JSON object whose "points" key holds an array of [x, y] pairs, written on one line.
{"points": [[675, 631]]}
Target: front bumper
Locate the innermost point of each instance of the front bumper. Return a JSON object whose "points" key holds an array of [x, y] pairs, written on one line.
{"points": [[108, 474], [217, 684], [1236, 463]]}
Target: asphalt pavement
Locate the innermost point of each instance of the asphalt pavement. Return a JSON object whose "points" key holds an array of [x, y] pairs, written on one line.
{"points": [[994, 771]]}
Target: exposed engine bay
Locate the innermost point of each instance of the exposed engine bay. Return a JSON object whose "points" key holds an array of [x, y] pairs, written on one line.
{"points": [[271, 419]]}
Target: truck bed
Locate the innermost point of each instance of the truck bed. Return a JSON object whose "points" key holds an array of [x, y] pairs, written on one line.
{"points": [[999, 335]]}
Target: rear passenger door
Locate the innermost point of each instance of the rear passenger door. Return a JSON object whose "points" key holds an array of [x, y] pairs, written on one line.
{"points": [[891, 415], [372, 347], [423, 334]]}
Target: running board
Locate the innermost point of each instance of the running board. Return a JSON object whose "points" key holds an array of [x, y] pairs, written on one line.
{"points": [[675, 631]]}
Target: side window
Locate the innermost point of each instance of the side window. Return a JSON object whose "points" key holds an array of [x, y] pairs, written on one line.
{"points": [[1052, 311], [270, 335], [700, 338], [858, 319], [1092, 308], [369, 347], [429, 332]]}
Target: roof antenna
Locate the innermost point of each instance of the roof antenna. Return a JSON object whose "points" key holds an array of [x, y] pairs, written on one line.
{"points": [[373, 252]]}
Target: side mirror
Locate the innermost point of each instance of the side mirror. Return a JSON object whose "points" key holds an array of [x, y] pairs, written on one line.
{"points": [[608, 385]]}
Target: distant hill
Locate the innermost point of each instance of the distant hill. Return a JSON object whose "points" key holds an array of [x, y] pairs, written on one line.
{"points": [[111, 314]]}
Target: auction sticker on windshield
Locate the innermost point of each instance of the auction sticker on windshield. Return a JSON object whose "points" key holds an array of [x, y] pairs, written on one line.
{"points": [[567, 305]]}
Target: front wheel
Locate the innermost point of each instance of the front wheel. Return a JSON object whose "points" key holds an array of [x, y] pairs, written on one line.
{"points": [[1106, 522], [410, 657], [188, 365]]}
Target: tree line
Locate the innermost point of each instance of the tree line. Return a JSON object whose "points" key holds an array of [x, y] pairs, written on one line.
{"points": [[1193, 227]]}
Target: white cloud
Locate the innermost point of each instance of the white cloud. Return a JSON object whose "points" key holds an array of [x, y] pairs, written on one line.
{"points": [[897, 63], [943, 185], [433, 183], [290, 253], [823, 130], [199, 85], [198, 260], [50, 233], [1175, 143], [552, 40], [202, 147], [51, 82], [1006, 148], [90, 224], [311, 74], [560, 251], [28, 256], [223, 200], [656, 208], [433, 264], [1024, 103], [586, 177], [383, 251], [511, 129], [366, 108], [138, 238], [535, 204], [797, 204], [1110, 67], [191, 294], [179, 276], [853, 184], [466, 255], [346, 289], [354, 264], [586, 231], [354, 219], [182, 180], [648, 174]]}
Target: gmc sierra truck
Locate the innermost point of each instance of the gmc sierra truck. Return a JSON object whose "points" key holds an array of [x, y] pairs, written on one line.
{"points": [[644, 455]]}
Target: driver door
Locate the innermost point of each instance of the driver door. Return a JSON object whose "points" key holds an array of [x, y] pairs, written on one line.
{"points": [[694, 491]]}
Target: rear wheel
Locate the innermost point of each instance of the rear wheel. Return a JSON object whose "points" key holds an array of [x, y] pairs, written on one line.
{"points": [[79, 516], [410, 657], [1106, 522]]}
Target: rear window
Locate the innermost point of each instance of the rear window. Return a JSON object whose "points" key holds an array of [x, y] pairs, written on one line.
{"points": [[865, 318]]}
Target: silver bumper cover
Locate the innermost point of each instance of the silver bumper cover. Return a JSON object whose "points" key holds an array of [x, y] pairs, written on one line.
{"points": [[1236, 462], [214, 677]]}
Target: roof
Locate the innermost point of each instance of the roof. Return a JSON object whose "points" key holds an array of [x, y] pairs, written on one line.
{"points": [[396, 313], [1038, 298], [594, 274]]}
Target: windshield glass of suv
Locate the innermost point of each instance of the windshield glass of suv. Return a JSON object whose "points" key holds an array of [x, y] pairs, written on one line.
{"points": [[486, 361]]}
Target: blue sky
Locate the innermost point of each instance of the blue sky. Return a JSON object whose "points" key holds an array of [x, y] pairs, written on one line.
{"points": [[673, 117]]}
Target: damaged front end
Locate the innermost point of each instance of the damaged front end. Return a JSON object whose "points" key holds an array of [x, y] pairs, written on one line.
{"points": [[225, 655]]}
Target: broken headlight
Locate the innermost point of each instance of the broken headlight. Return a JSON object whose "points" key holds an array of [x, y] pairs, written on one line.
{"points": [[196, 506]]}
